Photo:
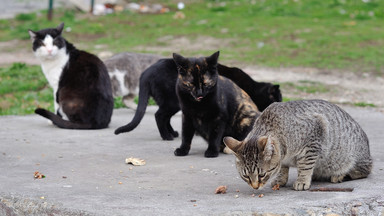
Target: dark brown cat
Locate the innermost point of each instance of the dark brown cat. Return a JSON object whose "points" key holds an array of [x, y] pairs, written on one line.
{"points": [[213, 106]]}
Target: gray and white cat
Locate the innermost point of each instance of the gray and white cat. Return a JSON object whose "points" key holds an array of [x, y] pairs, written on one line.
{"points": [[124, 70], [317, 137]]}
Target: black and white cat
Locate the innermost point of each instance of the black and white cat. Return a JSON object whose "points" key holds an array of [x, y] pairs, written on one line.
{"points": [[81, 86]]}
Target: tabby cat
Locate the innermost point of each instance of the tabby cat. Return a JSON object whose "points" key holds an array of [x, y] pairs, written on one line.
{"points": [[317, 137], [159, 81], [124, 70], [213, 106], [81, 86]]}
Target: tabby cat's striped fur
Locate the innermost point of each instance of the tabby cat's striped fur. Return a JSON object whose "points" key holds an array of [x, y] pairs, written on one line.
{"points": [[317, 137]]}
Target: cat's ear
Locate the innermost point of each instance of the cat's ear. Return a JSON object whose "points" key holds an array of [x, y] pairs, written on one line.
{"points": [[232, 144], [32, 34], [213, 59], [60, 27], [181, 62], [267, 146]]}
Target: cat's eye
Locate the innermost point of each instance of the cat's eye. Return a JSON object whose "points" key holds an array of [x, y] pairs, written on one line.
{"points": [[262, 175]]}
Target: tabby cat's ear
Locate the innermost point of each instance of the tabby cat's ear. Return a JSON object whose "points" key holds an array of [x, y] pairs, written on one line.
{"points": [[267, 146], [212, 60], [180, 61], [232, 144], [60, 27], [32, 34]]}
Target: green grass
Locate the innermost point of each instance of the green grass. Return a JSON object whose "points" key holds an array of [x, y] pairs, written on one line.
{"points": [[364, 104], [22, 89], [345, 35], [305, 86]]}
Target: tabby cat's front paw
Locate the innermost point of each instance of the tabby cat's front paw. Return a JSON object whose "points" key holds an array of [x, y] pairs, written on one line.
{"points": [[279, 182], [181, 152], [211, 154], [299, 186]]}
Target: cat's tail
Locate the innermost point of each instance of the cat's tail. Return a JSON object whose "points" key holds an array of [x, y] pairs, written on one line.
{"points": [[61, 123], [144, 93]]}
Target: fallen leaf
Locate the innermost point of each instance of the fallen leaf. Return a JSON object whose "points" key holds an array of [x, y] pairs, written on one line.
{"points": [[135, 161], [221, 189]]}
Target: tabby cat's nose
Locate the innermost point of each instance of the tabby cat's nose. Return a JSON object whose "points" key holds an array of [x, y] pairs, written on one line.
{"points": [[255, 185]]}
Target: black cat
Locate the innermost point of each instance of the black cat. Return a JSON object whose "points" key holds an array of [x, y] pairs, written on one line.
{"points": [[213, 106], [159, 81], [262, 93], [81, 85]]}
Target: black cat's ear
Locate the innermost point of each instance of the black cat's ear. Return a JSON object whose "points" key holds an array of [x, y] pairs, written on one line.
{"points": [[213, 59], [180, 61], [275, 92], [60, 27], [233, 144], [32, 34]]}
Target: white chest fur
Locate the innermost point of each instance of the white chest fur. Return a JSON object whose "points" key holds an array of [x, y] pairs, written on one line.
{"points": [[52, 61]]}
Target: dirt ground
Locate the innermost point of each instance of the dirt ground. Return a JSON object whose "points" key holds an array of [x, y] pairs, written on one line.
{"points": [[340, 87]]}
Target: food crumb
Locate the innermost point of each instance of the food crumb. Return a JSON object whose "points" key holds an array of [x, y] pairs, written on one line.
{"points": [[261, 195], [276, 187], [135, 161], [38, 175], [221, 189], [253, 195]]}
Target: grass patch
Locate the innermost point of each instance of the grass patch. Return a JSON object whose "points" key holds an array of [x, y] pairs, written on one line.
{"points": [[22, 89], [305, 86], [363, 104], [325, 34]]}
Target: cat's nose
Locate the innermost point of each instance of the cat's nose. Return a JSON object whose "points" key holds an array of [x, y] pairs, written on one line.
{"points": [[255, 185], [199, 92]]}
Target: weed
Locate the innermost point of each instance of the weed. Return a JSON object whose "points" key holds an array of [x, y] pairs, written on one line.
{"points": [[364, 104]]}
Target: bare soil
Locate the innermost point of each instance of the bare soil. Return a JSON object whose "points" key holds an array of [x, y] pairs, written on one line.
{"points": [[342, 87]]}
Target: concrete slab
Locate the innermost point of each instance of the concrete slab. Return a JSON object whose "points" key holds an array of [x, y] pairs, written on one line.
{"points": [[86, 174]]}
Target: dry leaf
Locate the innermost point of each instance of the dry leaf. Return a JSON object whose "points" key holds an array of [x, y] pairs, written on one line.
{"points": [[221, 189], [135, 161]]}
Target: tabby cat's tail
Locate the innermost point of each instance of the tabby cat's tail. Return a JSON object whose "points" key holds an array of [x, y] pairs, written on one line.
{"points": [[144, 89], [61, 123]]}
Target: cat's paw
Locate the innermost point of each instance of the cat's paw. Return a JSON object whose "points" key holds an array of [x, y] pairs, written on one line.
{"points": [[175, 134], [211, 154], [167, 137], [279, 182], [181, 152], [337, 179], [299, 186]]}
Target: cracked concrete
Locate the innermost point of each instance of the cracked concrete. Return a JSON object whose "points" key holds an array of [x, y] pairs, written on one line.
{"points": [[86, 174]]}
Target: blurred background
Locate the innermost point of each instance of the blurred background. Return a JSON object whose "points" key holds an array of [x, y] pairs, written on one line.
{"points": [[329, 49]]}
